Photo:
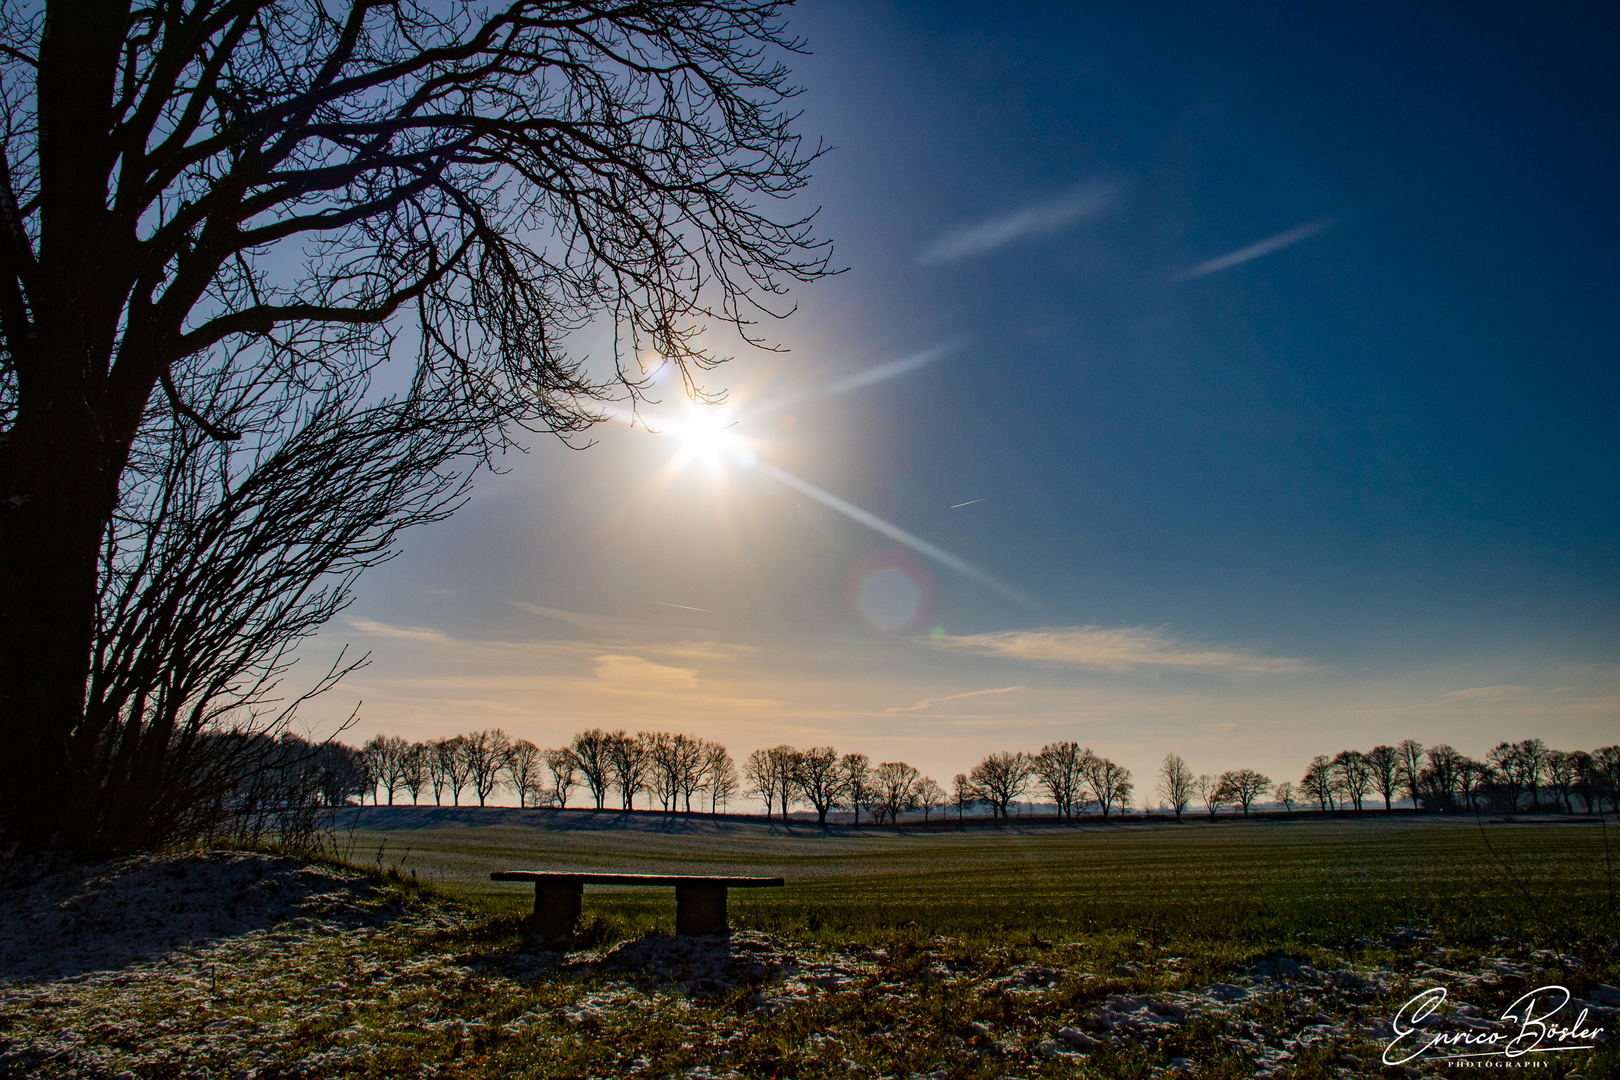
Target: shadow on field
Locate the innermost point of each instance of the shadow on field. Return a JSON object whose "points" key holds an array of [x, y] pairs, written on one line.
{"points": [[409, 818], [112, 915]]}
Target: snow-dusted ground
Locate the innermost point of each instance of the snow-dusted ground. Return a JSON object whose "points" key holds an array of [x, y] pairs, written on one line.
{"points": [[245, 965]]}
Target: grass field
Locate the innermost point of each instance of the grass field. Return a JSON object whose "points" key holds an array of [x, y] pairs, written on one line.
{"points": [[1248, 883]]}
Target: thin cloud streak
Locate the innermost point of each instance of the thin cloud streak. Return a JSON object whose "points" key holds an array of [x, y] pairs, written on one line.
{"points": [[926, 702], [1118, 649], [1259, 250], [387, 630], [1037, 219]]}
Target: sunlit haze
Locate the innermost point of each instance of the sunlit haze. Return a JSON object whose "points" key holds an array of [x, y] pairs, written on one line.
{"points": [[1230, 381]]}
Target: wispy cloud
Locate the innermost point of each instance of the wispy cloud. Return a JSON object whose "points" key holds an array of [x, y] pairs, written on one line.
{"points": [[926, 702], [1037, 219], [701, 650], [1259, 250], [635, 672], [382, 629], [1118, 649], [1218, 729], [1475, 693]]}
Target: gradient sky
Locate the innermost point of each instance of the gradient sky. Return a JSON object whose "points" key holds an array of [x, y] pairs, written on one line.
{"points": [[1272, 348]]}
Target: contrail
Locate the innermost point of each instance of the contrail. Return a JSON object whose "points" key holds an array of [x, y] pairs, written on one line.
{"points": [[683, 607], [893, 532], [1257, 250], [970, 502], [1036, 219]]}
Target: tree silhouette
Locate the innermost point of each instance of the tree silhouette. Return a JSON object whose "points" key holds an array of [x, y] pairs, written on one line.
{"points": [[238, 237]]}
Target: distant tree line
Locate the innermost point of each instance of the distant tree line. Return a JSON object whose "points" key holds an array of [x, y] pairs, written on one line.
{"points": [[1525, 775], [672, 769], [678, 772]]}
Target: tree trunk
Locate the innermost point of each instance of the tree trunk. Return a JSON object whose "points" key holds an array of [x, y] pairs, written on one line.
{"points": [[55, 499], [60, 462]]}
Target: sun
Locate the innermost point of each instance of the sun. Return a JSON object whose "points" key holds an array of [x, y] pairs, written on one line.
{"points": [[707, 436]]}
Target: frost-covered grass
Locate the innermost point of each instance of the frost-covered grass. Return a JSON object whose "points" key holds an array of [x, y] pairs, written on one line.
{"points": [[1235, 950]]}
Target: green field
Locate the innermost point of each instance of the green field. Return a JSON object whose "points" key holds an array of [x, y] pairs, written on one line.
{"points": [[1269, 881]]}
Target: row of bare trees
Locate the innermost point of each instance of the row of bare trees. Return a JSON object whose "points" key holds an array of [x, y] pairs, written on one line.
{"points": [[1523, 775], [822, 779], [671, 768], [1071, 774], [1515, 775]]}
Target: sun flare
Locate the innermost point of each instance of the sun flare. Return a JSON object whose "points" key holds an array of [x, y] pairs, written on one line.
{"points": [[707, 437]]}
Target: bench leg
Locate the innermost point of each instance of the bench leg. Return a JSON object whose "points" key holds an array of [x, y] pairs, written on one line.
{"points": [[700, 909], [556, 908]]}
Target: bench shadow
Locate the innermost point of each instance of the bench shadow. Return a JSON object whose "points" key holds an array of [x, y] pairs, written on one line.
{"points": [[707, 966]]}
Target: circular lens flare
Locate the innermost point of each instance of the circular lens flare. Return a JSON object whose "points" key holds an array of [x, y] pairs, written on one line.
{"points": [[890, 590]]}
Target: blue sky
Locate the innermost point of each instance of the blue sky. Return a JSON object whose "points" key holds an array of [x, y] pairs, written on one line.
{"points": [[1276, 352]]}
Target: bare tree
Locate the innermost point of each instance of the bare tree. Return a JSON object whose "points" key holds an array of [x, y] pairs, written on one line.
{"points": [[1561, 773], [819, 779], [1175, 783], [1000, 778], [1588, 782], [1062, 769], [1529, 763], [663, 767], [452, 755], [1473, 777], [1606, 775], [1410, 752], [523, 764], [486, 754], [1317, 783], [1352, 775], [627, 762], [1284, 793], [217, 216], [590, 749], [1440, 777], [433, 759], [719, 776], [690, 756], [857, 770], [1110, 784], [759, 772], [564, 768], [375, 757], [894, 790], [963, 794], [1211, 793], [1244, 786], [414, 773], [930, 796], [1384, 768]]}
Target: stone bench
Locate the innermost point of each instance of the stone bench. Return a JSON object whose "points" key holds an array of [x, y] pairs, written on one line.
{"points": [[700, 902]]}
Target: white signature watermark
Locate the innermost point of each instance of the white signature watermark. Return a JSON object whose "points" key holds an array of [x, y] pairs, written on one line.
{"points": [[1526, 1027]]}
